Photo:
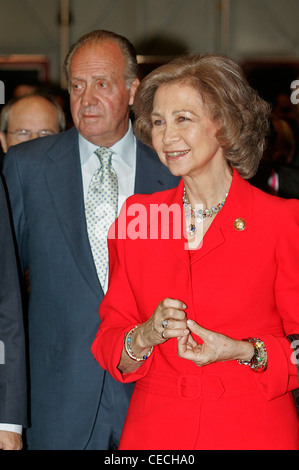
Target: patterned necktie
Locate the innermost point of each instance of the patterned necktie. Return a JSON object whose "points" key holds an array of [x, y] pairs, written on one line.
{"points": [[101, 210]]}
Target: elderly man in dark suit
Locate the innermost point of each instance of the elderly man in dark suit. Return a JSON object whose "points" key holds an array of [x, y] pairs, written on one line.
{"points": [[13, 401], [74, 403]]}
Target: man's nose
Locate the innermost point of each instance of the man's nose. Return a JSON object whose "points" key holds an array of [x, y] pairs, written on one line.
{"points": [[33, 135], [88, 97]]}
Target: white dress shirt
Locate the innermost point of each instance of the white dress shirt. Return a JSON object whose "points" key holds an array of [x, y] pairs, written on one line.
{"points": [[11, 427], [123, 162]]}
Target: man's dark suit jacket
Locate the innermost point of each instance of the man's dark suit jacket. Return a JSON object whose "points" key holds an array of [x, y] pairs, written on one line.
{"points": [[2, 155], [13, 401], [45, 186]]}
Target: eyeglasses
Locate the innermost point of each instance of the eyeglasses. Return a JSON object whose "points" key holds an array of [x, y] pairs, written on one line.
{"points": [[24, 134]]}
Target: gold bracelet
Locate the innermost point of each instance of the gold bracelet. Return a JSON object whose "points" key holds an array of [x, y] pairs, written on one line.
{"points": [[259, 361], [129, 350]]}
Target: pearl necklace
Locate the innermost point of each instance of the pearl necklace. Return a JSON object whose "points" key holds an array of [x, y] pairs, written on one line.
{"points": [[199, 215]]}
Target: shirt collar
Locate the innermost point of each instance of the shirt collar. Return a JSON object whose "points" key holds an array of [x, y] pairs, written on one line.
{"points": [[124, 148]]}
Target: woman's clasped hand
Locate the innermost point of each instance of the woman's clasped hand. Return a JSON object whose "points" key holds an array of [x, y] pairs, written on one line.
{"points": [[195, 343], [214, 347]]}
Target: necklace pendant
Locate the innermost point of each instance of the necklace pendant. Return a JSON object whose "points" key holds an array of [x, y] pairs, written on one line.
{"points": [[199, 215], [191, 230]]}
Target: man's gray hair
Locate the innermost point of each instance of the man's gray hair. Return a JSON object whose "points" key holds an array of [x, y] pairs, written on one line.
{"points": [[98, 36]]}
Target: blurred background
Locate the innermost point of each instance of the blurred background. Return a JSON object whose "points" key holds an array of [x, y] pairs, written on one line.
{"points": [[263, 35]]}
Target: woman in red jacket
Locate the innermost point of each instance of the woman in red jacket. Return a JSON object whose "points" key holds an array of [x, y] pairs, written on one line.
{"points": [[204, 278]]}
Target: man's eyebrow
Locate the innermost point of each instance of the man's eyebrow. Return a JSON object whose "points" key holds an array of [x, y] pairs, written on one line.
{"points": [[94, 77]]}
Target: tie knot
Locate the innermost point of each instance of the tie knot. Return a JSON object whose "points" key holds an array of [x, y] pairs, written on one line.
{"points": [[105, 155]]}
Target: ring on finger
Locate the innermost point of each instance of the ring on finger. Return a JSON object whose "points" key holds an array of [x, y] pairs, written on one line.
{"points": [[163, 335], [164, 323]]}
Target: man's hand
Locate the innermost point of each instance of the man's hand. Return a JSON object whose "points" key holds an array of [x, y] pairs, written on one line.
{"points": [[10, 441]]}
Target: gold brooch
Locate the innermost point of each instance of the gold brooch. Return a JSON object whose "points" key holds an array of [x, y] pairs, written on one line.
{"points": [[239, 224]]}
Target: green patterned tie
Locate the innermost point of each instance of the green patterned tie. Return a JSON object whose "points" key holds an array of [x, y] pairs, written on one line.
{"points": [[101, 210]]}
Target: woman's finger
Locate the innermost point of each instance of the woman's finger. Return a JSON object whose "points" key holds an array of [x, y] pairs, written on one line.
{"points": [[173, 303], [198, 330]]}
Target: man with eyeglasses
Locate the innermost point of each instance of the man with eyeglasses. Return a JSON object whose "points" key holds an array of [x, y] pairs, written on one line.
{"points": [[29, 117]]}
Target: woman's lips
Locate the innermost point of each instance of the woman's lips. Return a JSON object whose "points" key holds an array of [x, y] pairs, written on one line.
{"points": [[176, 154]]}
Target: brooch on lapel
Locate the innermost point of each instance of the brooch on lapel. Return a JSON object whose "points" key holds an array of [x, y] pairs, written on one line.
{"points": [[240, 224]]}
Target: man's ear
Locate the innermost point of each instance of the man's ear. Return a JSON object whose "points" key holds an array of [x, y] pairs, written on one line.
{"points": [[3, 142], [134, 85]]}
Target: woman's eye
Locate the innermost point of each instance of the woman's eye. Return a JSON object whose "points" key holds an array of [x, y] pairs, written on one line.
{"points": [[183, 119], [158, 122]]}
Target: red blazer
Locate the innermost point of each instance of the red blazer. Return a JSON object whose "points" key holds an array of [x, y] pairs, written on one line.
{"points": [[242, 283]]}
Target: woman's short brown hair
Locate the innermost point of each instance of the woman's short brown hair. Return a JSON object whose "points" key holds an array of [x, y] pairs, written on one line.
{"points": [[241, 116]]}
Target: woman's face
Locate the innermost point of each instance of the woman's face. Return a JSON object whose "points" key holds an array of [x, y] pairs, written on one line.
{"points": [[183, 134]]}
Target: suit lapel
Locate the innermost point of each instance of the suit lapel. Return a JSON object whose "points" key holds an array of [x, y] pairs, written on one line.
{"points": [[237, 206], [64, 181], [171, 224]]}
